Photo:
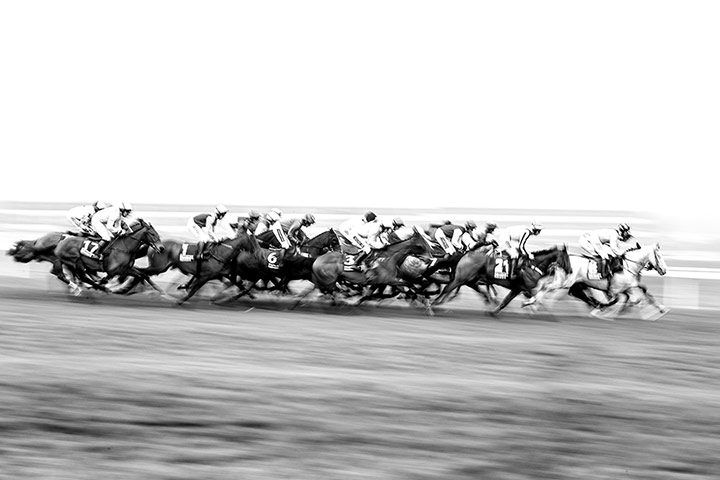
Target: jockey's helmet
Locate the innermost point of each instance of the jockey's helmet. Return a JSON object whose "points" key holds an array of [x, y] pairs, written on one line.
{"points": [[99, 205], [490, 227], [125, 208], [470, 224], [536, 227], [272, 216], [398, 222], [253, 214], [277, 212], [370, 216], [624, 231], [221, 210], [309, 218]]}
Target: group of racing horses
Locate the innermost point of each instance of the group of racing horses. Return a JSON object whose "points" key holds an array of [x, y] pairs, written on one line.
{"points": [[416, 269]]}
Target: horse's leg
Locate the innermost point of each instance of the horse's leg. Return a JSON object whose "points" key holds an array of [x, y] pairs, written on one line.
{"points": [[652, 301], [193, 289], [508, 298], [453, 286], [579, 291]]}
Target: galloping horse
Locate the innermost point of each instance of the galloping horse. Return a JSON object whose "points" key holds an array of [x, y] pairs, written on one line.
{"points": [[477, 267], [324, 242], [118, 258], [218, 265], [581, 280], [41, 250], [387, 267]]}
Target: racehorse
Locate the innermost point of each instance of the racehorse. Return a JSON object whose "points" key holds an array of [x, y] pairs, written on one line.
{"points": [[623, 283], [41, 250], [313, 247], [117, 260], [387, 267], [477, 267], [218, 265]]}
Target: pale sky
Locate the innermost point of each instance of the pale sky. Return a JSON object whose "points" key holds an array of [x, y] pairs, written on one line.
{"points": [[559, 104]]}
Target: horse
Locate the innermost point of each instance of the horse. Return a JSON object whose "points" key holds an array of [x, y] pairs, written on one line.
{"points": [[219, 264], [41, 250], [583, 279], [478, 267], [312, 247], [387, 267], [117, 260]]}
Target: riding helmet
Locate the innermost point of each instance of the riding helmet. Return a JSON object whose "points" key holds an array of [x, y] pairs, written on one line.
{"points": [[221, 210], [398, 222], [99, 205], [370, 216], [490, 226], [470, 224], [536, 227], [309, 218]]}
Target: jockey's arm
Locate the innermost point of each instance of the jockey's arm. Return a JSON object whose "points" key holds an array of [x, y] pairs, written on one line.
{"points": [[522, 245], [467, 241], [280, 235], [295, 232], [614, 245], [457, 238]]}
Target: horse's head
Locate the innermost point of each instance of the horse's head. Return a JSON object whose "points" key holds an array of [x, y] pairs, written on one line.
{"points": [[647, 257], [149, 235], [657, 261], [326, 241], [556, 256], [22, 251]]}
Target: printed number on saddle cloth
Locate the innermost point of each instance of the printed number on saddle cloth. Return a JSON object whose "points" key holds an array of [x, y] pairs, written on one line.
{"points": [[593, 273], [349, 263], [90, 248], [501, 268], [273, 260], [187, 254]]}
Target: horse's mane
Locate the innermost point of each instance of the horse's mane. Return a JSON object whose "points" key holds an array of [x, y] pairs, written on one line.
{"points": [[546, 251]]}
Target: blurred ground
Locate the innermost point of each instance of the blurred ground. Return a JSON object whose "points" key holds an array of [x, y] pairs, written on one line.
{"points": [[129, 388]]}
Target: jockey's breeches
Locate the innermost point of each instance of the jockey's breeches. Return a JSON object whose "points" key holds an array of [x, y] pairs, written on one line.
{"points": [[200, 233], [593, 247], [444, 242]]}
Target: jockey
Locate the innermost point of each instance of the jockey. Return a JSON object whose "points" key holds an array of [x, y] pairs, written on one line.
{"points": [[399, 231], [81, 216], [358, 230], [265, 223], [210, 227], [482, 239], [448, 236], [605, 243], [294, 228], [251, 222], [513, 239], [110, 222]]}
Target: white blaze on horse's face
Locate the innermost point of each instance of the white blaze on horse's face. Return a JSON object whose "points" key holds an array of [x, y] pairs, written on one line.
{"points": [[658, 261]]}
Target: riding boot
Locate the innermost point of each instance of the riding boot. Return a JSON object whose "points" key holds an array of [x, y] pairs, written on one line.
{"points": [[102, 245], [512, 267]]}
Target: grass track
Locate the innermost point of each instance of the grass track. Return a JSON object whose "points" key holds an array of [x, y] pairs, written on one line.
{"points": [[129, 389]]}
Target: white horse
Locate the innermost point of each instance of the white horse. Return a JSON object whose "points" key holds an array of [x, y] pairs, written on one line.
{"points": [[624, 283]]}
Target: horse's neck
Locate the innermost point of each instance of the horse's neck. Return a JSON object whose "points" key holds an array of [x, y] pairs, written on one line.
{"points": [[636, 260], [544, 260]]}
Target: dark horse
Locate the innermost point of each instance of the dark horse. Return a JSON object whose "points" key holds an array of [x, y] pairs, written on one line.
{"points": [[386, 267], [118, 258], [478, 267], [296, 262], [41, 250], [219, 264]]}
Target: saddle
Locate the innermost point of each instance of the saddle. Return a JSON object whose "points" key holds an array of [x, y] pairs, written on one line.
{"points": [[600, 270]]}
